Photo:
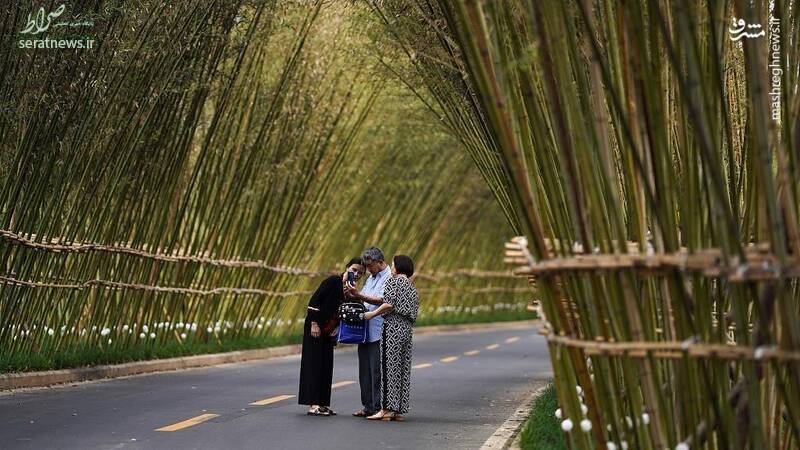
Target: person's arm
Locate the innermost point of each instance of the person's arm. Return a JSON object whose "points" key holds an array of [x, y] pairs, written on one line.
{"points": [[315, 306], [380, 310], [370, 299], [387, 302], [356, 294]]}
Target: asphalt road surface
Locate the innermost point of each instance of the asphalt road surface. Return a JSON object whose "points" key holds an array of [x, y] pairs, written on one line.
{"points": [[464, 386]]}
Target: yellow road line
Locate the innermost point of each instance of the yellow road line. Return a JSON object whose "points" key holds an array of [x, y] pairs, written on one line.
{"points": [[341, 383], [492, 347], [512, 339], [271, 400], [188, 423], [449, 359], [472, 352], [423, 366]]}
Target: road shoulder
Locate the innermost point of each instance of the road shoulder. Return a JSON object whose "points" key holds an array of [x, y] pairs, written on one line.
{"points": [[507, 436]]}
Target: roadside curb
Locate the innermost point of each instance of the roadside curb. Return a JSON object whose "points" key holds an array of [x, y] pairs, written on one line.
{"points": [[508, 435], [62, 376]]}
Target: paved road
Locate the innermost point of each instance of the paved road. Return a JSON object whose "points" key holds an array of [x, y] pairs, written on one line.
{"points": [[458, 399]]}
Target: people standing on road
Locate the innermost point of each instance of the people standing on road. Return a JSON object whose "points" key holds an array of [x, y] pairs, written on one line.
{"points": [[369, 370], [399, 310], [319, 338]]}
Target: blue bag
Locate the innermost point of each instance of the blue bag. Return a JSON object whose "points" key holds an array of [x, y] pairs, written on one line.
{"points": [[352, 329]]}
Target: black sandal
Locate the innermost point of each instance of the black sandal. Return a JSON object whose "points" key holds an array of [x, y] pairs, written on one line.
{"points": [[318, 412], [327, 410]]}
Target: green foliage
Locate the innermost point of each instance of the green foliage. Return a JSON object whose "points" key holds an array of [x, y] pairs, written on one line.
{"points": [[91, 356], [607, 127], [542, 431], [80, 356], [258, 132]]}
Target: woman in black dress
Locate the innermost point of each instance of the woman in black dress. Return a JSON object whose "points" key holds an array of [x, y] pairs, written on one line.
{"points": [[399, 310], [319, 338]]}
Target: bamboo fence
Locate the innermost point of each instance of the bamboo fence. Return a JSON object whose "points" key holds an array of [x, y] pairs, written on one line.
{"points": [[636, 149]]}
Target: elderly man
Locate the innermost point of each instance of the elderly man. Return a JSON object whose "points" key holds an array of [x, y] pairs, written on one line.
{"points": [[369, 353]]}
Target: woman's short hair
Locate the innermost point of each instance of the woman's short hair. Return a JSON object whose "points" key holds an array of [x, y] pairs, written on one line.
{"points": [[356, 260], [404, 264]]}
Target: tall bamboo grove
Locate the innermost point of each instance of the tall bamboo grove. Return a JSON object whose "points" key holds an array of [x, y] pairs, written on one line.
{"points": [[647, 154], [191, 178]]}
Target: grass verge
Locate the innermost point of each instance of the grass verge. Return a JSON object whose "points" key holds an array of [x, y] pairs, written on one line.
{"points": [[542, 431], [93, 356]]}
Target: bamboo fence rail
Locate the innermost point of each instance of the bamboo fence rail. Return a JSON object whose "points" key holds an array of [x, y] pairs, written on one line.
{"points": [[635, 147]]}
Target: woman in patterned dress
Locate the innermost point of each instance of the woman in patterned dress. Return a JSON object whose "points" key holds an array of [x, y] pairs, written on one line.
{"points": [[399, 309]]}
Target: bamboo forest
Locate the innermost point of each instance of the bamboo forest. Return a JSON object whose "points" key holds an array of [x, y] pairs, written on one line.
{"points": [[625, 174]]}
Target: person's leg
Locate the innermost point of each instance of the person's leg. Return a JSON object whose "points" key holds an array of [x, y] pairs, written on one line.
{"points": [[405, 381], [326, 372], [309, 391], [382, 406], [391, 349], [364, 378], [384, 380], [375, 369], [386, 375]]}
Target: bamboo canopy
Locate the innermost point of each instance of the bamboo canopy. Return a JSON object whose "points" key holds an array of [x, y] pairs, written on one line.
{"points": [[647, 157], [192, 178]]}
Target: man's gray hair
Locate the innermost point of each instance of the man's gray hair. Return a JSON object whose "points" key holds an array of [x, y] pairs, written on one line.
{"points": [[372, 254]]}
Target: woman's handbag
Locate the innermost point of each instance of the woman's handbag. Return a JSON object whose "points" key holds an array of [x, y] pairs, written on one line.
{"points": [[352, 327]]}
